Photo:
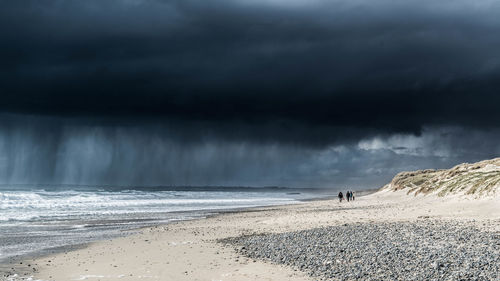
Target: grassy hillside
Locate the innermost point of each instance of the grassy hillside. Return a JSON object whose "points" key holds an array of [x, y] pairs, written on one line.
{"points": [[482, 178]]}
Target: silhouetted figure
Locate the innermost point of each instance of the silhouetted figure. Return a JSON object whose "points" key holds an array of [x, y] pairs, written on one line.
{"points": [[341, 196], [347, 195]]}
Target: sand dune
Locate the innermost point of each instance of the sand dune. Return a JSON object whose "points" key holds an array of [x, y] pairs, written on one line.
{"points": [[481, 179]]}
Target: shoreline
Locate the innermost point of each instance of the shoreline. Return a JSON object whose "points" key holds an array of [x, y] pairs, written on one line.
{"points": [[35, 220], [14, 264], [193, 245]]}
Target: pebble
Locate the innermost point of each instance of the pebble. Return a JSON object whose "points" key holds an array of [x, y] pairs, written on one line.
{"points": [[419, 250]]}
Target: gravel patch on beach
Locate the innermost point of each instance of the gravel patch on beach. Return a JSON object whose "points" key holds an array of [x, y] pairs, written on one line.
{"points": [[420, 250]]}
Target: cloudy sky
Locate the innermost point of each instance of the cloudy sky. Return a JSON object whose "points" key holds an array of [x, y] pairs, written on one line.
{"points": [[321, 93]]}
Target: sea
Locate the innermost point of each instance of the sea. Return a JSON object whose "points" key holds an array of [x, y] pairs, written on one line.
{"points": [[35, 220]]}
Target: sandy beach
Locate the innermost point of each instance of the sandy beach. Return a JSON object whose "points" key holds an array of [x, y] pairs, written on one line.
{"points": [[192, 250]]}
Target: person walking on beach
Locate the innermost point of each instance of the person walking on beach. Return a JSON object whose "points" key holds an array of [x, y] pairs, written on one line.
{"points": [[352, 195], [347, 195], [341, 196]]}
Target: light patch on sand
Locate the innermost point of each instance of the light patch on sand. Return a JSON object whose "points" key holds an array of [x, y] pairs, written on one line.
{"points": [[181, 243], [85, 277], [16, 277]]}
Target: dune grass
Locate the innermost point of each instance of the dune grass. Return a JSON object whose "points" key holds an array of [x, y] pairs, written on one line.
{"points": [[480, 179]]}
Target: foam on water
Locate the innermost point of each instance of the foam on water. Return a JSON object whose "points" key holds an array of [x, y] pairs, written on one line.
{"points": [[32, 220], [32, 205]]}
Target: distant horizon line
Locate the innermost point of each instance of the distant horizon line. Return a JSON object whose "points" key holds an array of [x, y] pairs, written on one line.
{"points": [[170, 187]]}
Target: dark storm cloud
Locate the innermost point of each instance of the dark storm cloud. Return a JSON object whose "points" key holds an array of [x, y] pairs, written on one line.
{"points": [[245, 92], [299, 71]]}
